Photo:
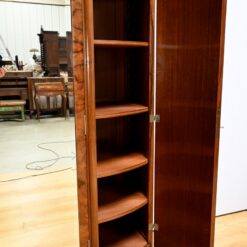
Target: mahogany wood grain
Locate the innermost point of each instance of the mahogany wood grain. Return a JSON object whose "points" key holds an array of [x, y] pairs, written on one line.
{"points": [[77, 7], [121, 75], [189, 69], [123, 239], [115, 205], [114, 165], [119, 43], [128, 231], [123, 135], [121, 20], [119, 110]]}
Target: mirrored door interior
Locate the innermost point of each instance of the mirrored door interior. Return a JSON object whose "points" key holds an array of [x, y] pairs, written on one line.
{"points": [[38, 205]]}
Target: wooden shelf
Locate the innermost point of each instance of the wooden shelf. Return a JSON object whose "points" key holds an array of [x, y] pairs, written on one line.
{"points": [[134, 239], [115, 205], [113, 111], [119, 43], [113, 165]]}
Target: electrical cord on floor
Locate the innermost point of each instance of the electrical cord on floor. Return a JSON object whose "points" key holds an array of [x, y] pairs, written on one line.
{"points": [[33, 165], [30, 166]]}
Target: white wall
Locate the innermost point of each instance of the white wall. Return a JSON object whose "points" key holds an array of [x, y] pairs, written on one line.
{"points": [[50, 2], [20, 23], [232, 176]]}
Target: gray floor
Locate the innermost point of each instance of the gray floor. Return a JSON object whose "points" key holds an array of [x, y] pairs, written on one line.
{"points": [[33, 147]]}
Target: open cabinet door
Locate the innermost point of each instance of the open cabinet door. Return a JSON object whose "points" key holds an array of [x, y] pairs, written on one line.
{"points": [[190, 41]]}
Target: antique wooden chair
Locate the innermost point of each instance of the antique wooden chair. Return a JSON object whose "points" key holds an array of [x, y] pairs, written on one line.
{"points": [[49, 89]]}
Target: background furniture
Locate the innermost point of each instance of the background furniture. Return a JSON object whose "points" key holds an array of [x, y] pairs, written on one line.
{"points": [[55, 52], [4, 62], [49, 50], [145, 164], [13, 106], [33, 80], [69, 53], [48, 90], [62, 53], [70, 96], [14, 84]]}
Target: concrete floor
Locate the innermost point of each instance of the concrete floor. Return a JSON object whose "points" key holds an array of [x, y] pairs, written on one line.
{"points": [[36, 147]]}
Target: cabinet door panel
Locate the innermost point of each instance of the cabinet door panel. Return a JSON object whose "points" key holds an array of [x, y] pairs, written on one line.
{"points": [[189, 67]]}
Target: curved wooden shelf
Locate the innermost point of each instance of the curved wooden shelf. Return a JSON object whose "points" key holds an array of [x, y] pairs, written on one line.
{"points": [[134, 239], [115, 205], [119, 43], [112, 111], [114, 165]]}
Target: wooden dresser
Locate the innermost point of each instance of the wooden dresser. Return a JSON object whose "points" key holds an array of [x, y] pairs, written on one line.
{"points": [[148, 80], [15, 84]]}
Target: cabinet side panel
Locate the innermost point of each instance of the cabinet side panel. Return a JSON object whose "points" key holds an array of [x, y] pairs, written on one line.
{"points": [[188, 71], [151, 126], [78, 66]]}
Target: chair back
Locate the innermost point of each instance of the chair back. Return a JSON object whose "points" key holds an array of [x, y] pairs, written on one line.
{"points": [[49, 89]]}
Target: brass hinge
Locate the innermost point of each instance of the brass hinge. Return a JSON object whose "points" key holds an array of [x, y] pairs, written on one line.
{"points": [[87, 61], [153, 227], [154, 118], [89, 243]]}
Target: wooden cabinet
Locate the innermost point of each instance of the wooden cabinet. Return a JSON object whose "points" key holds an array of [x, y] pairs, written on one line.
{"points": [[49, 50], [55, 52], [148, 91]]}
